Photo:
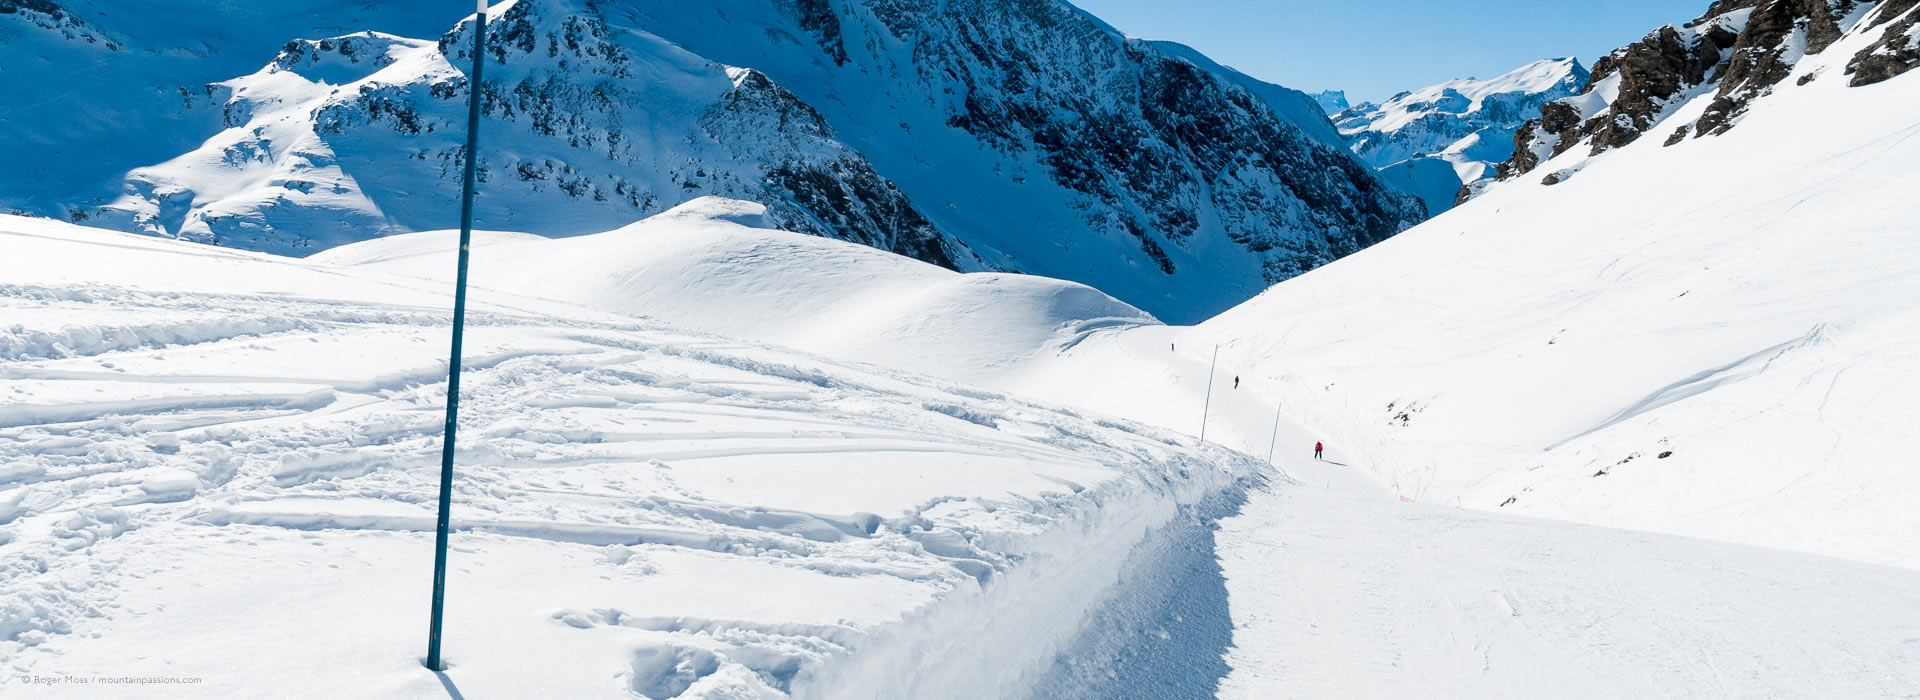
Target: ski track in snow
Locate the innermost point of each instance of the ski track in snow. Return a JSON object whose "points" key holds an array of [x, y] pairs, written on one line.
{"points": [[192, 479]]}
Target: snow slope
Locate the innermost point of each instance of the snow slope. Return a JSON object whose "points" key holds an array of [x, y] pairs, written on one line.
{"points": [[1339, 598], [1713, 338], [220, 465], [717, 265]]}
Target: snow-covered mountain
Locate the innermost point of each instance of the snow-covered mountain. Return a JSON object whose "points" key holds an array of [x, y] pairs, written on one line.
{"points": [[1737, 52], [980, 135], [1433, 140], [1332, 101]]}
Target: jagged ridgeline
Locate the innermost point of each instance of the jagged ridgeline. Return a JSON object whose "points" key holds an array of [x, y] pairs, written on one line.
{"points": [[1014, 135], [1737, 52]]}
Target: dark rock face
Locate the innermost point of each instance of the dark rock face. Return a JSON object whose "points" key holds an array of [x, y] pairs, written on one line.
{"points": [[1557, 121], [45, 7], [50, 16], [1152, 137], [810, 182], [1759, 59], [817, 16], [1652, 71], [1896, 51]]}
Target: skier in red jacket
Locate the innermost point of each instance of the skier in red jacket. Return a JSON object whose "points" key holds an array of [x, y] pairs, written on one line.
{"points": [[1317, 447]]}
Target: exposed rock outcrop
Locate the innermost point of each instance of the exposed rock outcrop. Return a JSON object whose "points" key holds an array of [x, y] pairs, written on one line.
{"points": [[1898, 48]]}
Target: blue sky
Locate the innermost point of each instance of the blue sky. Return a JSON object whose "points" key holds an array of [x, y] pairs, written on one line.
{"points": [[1375, 48]]}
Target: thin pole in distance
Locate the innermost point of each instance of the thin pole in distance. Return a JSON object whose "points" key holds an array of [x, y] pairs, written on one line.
{"points": [[1206, 405], [1271, 441], [459, 327]]}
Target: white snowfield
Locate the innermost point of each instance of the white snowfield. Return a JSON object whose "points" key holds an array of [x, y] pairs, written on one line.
{"points": [[217, 469]]}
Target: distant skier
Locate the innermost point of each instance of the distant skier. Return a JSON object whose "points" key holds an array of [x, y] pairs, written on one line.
{"points": [[1170, 347], [1236, 382], [1317, 448]]}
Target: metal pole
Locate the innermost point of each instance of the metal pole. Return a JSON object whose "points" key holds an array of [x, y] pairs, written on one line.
{"points": [[459, 326], [1208, 403], [1276, 434]]}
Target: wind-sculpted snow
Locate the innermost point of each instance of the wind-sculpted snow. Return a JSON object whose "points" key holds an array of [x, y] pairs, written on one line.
{"points": [[252, 449], [978, 136]]}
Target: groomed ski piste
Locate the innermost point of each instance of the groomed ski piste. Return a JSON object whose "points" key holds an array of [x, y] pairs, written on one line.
{"points": [[1637, 435]]}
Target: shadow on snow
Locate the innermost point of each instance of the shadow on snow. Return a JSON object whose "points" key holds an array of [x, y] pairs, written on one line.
{"points": [[1165, 631]]}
